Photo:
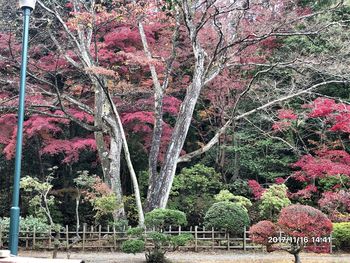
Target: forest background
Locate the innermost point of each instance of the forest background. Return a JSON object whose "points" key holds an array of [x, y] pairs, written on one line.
{"points": [[136, 105]]}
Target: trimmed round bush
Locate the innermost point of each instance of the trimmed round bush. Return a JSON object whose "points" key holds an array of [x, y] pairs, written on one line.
{"points": [[341, 234], [161, 218], [133, 246], [227, 215]]}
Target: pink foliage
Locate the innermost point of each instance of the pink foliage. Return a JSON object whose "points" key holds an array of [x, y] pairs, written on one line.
{"points": [[70, 148], [287, 114], [256, 189], [262, 231], [279, 180], [325, 163], [281, 125], [336, 205], [304, 221]]}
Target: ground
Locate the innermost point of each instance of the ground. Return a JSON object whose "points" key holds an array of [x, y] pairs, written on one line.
{"points": [[202, 257]]}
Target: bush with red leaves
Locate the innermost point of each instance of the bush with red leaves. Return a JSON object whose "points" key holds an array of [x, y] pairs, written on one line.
{"points": [[301, 225]]}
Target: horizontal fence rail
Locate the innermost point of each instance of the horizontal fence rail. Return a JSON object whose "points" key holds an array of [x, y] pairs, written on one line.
{"points": [[97, 237]]}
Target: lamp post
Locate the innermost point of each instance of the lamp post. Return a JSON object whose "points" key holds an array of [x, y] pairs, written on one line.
{"points": [[27, 6]]}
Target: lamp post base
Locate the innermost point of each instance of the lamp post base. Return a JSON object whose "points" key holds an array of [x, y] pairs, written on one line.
{"points": [[14, 230]]}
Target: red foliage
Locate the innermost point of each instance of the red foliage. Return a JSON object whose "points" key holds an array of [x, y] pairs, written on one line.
{"points": [[279, 180], [336, 114], [70, 148], [287, 114], [336, 205], [262, 231], [304, 221], [325, 163], [256, 189]]}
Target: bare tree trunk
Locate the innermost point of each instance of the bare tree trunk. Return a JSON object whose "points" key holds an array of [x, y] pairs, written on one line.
{"points": [[110, 161], [297, 258], [237, 158], [114, 175], [159, 190]]}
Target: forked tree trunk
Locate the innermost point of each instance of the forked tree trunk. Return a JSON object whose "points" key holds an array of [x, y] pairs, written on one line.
{"points": [[159, 189], [110, 160]]}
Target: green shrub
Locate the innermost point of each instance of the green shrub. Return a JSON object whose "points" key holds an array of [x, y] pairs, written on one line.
{"points": [[273, 200], [227, 215], [224, 195], [133, 246], [193, 191], [161, 242], [341, 235], [161, 218], [180, 240], [27, 223], [156, 256], [135, 232]]}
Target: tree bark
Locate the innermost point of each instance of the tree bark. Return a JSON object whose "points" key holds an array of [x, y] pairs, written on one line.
{"points": [[159, 190], [297, 258], [114, 175], [110, 160]]}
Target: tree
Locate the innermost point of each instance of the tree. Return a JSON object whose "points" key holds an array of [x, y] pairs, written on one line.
{"points": [[273, 200], [228, 216], [193, 191], [158, 219], [301, 225], [107, 55]]}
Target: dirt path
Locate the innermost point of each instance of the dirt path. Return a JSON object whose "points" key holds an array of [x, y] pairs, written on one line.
{"points": [[210, 257]]}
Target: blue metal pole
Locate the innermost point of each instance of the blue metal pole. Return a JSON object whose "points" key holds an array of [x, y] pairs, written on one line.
{"points": [[14, 214]]}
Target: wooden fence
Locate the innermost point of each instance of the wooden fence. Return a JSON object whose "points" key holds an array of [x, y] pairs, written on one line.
{"points": [[109, 238]]}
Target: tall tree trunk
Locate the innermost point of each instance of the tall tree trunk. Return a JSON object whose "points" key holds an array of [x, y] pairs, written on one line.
{"points": [[237, 158], [114, 175], [100, 102], [110, 160], [159, 190], [297, 258]]}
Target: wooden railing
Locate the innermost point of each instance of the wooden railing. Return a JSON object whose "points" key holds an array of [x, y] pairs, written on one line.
{"points": [[109, 238]]}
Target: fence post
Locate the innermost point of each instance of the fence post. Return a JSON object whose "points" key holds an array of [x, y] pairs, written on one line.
{"points": [[228, 241], [114, 239], [67, 237], [84, 235], [27, 238], [50, 234], [196, 238], [179, 230], [99, 236], [244, 238], [212, 238], [34, 238], [1, 237]]}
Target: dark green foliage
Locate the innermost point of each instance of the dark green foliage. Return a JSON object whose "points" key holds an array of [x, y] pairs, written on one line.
{"points": [[341, 235], [161, 242], [161, 218], [193, 190], [120, 224], [227, 215], [133, 246], [328, 183], [239, 187], [28, 223], [180, 240], [135, 231], [156, 256]]}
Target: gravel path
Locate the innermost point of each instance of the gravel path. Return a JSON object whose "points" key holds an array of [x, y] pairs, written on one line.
{"points": [[203, 257]]}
